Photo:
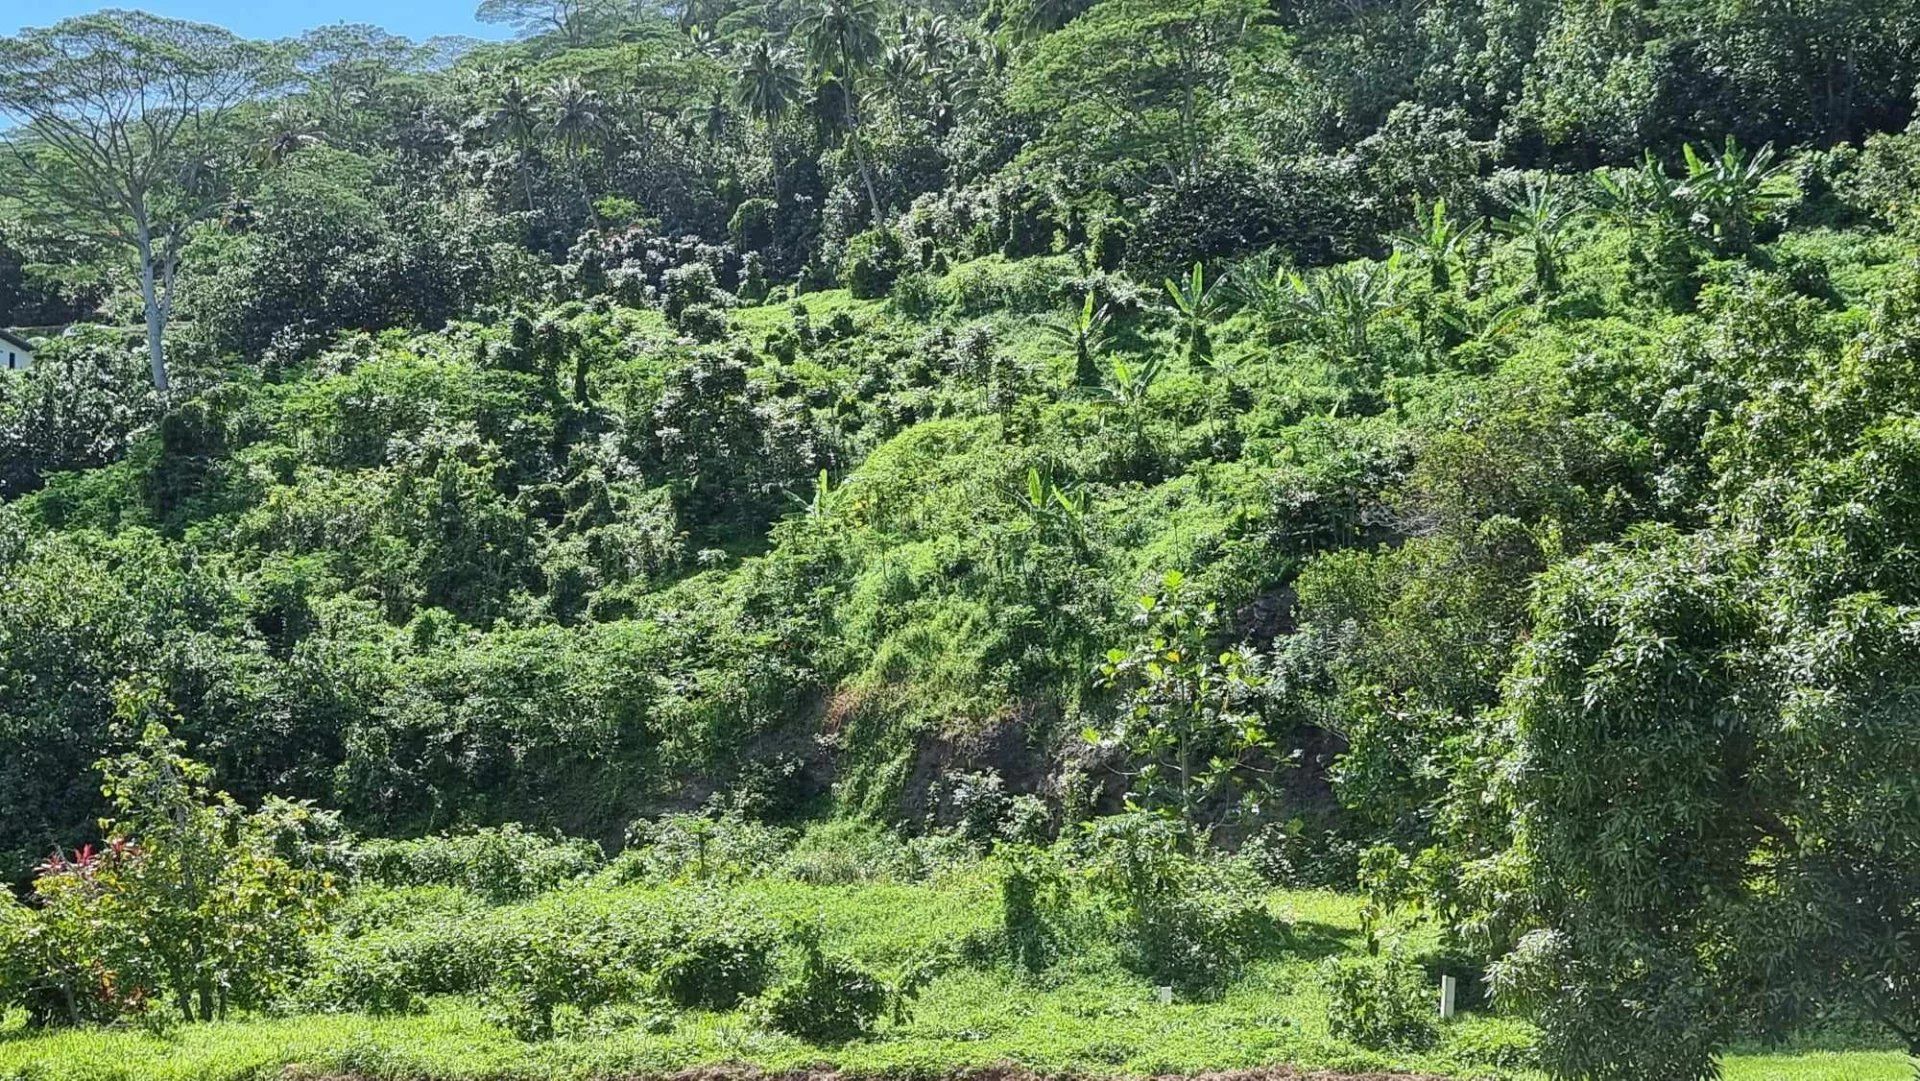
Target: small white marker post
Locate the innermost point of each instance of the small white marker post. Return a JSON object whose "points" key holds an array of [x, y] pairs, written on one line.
{"points": [[1447, 990], [1164, 994]]}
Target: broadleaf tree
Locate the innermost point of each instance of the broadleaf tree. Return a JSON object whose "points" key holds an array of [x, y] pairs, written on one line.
{"points": [[124, 133]]}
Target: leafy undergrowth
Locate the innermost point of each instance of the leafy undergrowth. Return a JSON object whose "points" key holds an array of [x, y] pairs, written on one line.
{"points": [[1086, 1015]]}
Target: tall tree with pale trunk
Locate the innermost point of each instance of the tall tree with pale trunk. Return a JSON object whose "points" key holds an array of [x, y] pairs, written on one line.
{"points": [[122, 124]]}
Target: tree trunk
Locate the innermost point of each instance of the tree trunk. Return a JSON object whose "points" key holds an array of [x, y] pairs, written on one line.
{"points": [[580, 183], [860, 151], [866, 177], [150, 297]]}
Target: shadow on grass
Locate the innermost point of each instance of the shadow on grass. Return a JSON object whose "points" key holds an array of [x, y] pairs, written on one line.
{"points": [[1316, 941]]}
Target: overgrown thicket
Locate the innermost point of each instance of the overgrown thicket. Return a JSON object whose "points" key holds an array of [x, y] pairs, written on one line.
{"points": [[1459, 450]]}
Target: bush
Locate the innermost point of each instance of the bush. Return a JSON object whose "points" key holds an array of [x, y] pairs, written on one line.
{"points": [[1306, 206], [830, 1000], [1303, 854], [388, 969], [371, 977], [1380, 1003], [699, 847], [841, 852], [688, 285], [1181, 921], [717, 953], [540, 972], [873, 261], [186, 907], [916, 294], [994, 284], [977, 803], [702, 322], [752, 225], [1033, 902], [504, 864]]}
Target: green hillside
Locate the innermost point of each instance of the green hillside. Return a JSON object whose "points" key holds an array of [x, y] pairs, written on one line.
{"points": [[885, 535]]}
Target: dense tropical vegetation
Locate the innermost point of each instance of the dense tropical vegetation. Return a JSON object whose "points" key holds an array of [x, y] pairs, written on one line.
{"points": [[733, 531]]}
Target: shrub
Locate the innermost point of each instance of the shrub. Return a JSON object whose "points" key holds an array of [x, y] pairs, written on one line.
{"points": [[836, 853], [370, 977], [751, 227], [994, 284], [540, 972], [1303, 854], [874, 259], [1181, 921], [1380, 1003], [702, 322], [978, 803], [717, 953], [1033, 901], [916, 294], [386, 970], [186, 906], [688, 285], [1027, 821], [830, 1000], [504, 864], [699, 847]]}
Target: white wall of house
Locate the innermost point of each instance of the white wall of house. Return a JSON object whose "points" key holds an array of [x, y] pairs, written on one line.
{"points": [[14, 357]]}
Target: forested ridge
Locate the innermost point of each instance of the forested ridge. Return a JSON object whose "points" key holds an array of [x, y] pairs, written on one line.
{"points": [[1461, 452]]}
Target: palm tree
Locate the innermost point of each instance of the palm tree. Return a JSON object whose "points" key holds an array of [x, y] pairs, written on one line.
{"points": [[932, 38], [514, 118], [842, 36], [710, 122], [768, 84], [288, 131], [842, 39], [576, 122]]}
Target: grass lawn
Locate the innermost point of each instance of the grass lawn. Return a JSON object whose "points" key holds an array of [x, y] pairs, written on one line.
{"points": [[1085, 1016], [1821, 1066]]}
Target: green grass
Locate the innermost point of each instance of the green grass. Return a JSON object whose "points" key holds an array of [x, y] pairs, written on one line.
{"points": [[1821, 1066], [1085, 1016]]}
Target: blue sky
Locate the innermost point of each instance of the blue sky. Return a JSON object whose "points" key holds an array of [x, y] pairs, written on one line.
{"points": [[416, 19]]}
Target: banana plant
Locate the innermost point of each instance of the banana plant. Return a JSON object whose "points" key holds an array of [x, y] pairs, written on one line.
{"points": [[1436, 241], [1052, 509], [1639, 198], [1259, 284], [1339, 305], [1730, 194], [1539, 221], [1126, 384], [1198, 304], [1085, 331], [821, 503], [1485, 328]]}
